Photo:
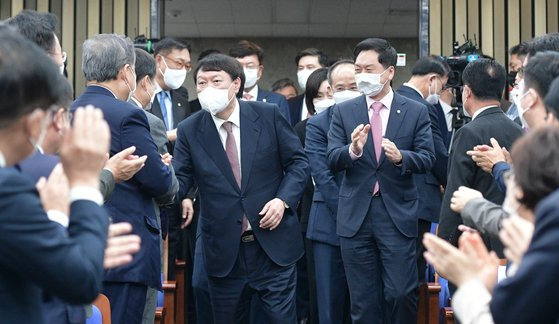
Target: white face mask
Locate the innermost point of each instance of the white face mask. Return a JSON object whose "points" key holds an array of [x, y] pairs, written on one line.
{"points": [[369, 83], [433, 98], [323, 104], [214, 100], [131, 93], [38, 143], [173, 78], [345, 95], [302, 77], [521, 110], [251, 77], [61, 68]]}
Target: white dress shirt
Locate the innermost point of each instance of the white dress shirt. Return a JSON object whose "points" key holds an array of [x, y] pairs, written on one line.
{"points": [[253, 93], [168, 106], [235, 119], [384, 115], [482, 109], [471, 303], [2, 160], [409, 85], [304, 111], [447, 109]]}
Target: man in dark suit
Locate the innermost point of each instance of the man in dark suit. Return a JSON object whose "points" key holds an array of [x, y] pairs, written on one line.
{"points": [[484, 81], [307, 62], [377, 213], [250, 178], [37, 255], [429, 76], [251, 57], [331, 284], [111, 81]]}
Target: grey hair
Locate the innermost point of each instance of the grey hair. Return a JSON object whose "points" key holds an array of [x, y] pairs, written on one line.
{"points": [[336, 65], [104, 55]]}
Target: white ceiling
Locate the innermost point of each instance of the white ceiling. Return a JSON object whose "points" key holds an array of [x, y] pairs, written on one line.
{"points": [[291, 18]]}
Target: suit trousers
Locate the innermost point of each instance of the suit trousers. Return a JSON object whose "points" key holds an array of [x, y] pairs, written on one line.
{"points": [[127, 301], [381, 270], [423, 227], [254, 273], [200, 287], [331, 284]]}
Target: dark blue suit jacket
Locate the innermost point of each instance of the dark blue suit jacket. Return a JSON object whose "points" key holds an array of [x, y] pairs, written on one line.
{"points": [[428, 184], [37, 165], [275, 98], [273, 165], [295, 106], [409, 128], [322, 220], [39, 255], [530, 296], [131, 200]]}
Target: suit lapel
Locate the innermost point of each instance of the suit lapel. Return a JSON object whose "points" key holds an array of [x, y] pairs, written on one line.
{"points": [[179, 107], [395, 119], [361, 115], [156, 108], [250, 133], [211, 142]]}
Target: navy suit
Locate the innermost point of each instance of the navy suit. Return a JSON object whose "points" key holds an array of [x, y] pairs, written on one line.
{"points": [[295, 106], [530, 296], [428, 184], [331, 281], [275, 98], [54, 310], [38, 255], [273, 165], [132, 201], [378, 233]]}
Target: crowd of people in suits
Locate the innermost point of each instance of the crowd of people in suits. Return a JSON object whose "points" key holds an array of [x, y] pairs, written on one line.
{"points": [[318, 207]]}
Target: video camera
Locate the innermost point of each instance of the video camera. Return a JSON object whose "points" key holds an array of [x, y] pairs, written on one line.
{"points": [[145, 43], [461, 56]]}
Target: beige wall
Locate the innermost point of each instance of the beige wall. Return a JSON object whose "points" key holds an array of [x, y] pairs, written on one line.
{"points": [[80, 19]]}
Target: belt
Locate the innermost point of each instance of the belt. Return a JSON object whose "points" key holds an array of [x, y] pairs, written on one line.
{"points": [[247, 236]]}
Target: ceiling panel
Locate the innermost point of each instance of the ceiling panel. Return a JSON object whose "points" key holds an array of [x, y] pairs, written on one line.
{"points": [[291, 18]]}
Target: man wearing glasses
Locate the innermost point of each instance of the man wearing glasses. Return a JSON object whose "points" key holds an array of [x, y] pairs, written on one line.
{"points": [[171, 99]]}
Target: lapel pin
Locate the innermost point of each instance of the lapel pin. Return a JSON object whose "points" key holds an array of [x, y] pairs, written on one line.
{"points": [[179, 104], [398, 111]]}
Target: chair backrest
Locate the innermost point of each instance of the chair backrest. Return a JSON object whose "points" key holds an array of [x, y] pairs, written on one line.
{"points": [[104, 306], [96, 317]]}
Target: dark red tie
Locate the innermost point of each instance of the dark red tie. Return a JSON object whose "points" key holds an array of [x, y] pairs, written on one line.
{"points": [[233, 157]]}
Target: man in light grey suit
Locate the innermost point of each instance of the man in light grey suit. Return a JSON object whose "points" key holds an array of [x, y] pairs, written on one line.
{"points": [[142, 97]]}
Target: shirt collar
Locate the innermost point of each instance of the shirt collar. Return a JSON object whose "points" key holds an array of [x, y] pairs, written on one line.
{"points": [[254, 92], [446, 107], [409, 85], [158, 88], [137, 102], [100, 86], [386, 100], [480, 110], [235, 117], [2, 160]]}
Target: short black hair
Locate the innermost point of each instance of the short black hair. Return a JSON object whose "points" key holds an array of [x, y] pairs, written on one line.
{"points": [[38, 27], [519, 49], [282, 83], [552, 98], [336, 64], [540, 71], [547, 42], [66, 94], [313, 84], [208, 52], [145, 65], [247, 48], [222, 62], [29, 79], [387, 55], [486, 78], [430, 64], [322, 58], [168, 44], [536, 164]]}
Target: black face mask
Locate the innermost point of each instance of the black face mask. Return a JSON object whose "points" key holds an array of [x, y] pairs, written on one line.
{"points": [[511, 77]]}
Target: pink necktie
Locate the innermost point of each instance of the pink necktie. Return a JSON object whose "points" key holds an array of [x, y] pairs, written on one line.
{"points": [[247, 96], [376, 129], [233, 157]]}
